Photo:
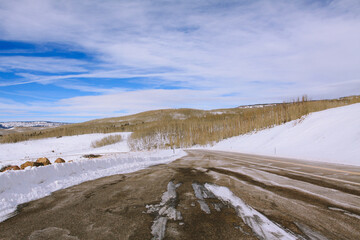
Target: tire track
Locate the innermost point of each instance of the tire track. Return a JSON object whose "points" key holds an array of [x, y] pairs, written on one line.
{"points": [[290, 193], [318, 182]]}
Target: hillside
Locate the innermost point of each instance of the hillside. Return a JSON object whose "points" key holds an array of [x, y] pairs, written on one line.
{"points": [[171, 128], [329, 136]]}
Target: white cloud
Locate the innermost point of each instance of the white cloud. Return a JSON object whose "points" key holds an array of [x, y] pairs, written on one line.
{"points": [[121, 102], [255, 50], [41, 64]]}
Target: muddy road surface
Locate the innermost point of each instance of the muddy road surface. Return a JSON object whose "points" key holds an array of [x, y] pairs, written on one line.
{"points": [[204, 195]]}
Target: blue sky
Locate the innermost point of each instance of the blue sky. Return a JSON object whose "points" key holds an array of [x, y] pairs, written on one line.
{"points": [[72, 61]]}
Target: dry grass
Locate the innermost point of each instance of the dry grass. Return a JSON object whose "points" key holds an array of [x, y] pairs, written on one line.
{"points": [[210, 128], [131, 123], [107, 141], [188, 127]]}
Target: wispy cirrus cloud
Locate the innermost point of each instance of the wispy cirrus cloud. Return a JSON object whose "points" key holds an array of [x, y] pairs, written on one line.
{"points": [[41, 64], [255, 51]]}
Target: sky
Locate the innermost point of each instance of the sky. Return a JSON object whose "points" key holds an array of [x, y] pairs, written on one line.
{"points": [[72, 61]]}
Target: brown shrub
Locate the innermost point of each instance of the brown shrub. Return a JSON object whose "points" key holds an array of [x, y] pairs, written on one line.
{"points": [[107, 141]]}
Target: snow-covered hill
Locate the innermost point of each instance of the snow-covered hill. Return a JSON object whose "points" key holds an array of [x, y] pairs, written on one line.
{"points": [[332, 135], [7, 125]]}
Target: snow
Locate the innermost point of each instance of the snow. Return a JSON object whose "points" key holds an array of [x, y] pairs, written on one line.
{"points": [[164, 211], [68, 147], [331, 135], [18, 187], [30, 124], [260, 224], [201, 193], [169, 194], [257, 105]]}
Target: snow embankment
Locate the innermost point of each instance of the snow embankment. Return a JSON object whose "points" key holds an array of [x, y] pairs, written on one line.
{"points": [[331, 136], [17, 187], [68, 147]]}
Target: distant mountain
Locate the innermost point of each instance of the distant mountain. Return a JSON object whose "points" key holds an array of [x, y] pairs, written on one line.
{"points": [[258, 105], [7, 125]]}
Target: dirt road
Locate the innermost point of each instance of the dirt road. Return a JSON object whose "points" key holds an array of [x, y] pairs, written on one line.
{"points": [[205, 195]]}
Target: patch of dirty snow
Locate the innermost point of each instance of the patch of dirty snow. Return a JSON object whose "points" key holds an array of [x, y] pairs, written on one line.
{"points": [[313, 235], [260, 225], [165, 210], [201, 193], [158, 228]]}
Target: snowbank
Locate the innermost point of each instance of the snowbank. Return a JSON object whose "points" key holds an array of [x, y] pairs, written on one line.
{"points": [[18, 187], [68, 147], [332, 136]]}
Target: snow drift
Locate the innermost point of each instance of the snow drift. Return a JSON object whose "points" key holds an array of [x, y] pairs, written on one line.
{"points": [[17, 187], [331, 135]]}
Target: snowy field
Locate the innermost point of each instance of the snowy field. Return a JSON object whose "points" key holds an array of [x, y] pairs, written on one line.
{"points": [[331, 136], [68, 148], [18, 187]]}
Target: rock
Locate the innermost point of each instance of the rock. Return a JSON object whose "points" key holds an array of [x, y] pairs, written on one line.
{"points": [[91, 156], [10, 167], [44, 161], [71, 161], [59, 160], [31, 164]]}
